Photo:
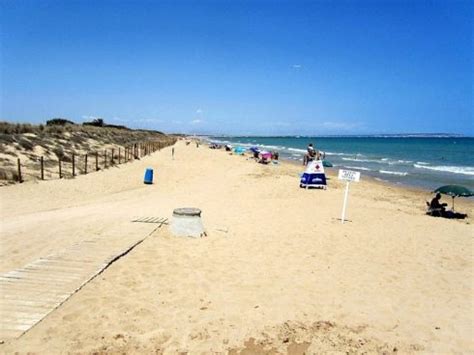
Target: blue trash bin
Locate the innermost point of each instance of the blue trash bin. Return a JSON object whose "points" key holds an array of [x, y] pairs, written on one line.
{"points": [[148, 176]]}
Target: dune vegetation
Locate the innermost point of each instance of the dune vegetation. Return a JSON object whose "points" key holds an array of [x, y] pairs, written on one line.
{"points": [[60, 140]]}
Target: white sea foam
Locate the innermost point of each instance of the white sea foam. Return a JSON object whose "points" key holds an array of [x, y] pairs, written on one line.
{"points": [[338, 154], [399, 173], [297, 150], [364, 160], [358, 168], [465, 170], [274, 147], [422, 163]]}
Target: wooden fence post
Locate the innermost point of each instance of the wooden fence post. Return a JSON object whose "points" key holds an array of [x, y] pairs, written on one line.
{"points": [[73, 165], [85, 164], [42, 168], [60, 172], [119, 156], [105, 159], [20, 179], [96, 161], [112, 159]]}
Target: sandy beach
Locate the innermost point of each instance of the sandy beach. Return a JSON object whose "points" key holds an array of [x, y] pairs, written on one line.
{"points": [[277, 271]]}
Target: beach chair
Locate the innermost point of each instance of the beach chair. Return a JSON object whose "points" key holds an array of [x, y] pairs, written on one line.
{"points": [[434, 212]]}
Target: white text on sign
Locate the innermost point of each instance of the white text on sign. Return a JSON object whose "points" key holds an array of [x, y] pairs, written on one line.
{"points": [[349, 175]]}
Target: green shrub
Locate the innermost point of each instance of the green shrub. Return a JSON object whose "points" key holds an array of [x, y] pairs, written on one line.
{"points": [[26, 144], [59, 122], [59, 151]]}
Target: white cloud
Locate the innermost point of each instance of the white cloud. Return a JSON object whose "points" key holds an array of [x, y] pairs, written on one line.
{"points": [[196, 121], [177, 122], [296, 66], [198, 111]]}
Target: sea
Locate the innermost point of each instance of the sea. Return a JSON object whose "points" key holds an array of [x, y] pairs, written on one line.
{"points": [[426, 162]]}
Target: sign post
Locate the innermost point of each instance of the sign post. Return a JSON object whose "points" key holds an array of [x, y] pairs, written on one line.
{"points": [[348, 176]]}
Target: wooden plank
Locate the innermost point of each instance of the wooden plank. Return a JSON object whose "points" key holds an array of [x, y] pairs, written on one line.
{"points": [[30, 293]]}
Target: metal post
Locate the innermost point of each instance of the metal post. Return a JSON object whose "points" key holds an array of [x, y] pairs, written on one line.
{"points": [[345, 203]]}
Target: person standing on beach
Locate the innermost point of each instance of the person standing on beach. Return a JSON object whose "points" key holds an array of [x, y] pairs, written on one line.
{"points": [[310, 154]]}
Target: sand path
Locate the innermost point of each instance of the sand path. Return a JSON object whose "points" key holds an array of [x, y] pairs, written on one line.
{"points": [[277, 265]]}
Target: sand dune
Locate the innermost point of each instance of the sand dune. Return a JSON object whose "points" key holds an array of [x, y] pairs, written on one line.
{"points": [[276, 273]]}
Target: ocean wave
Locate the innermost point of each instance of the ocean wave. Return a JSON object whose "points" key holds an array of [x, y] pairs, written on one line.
{"points": [[465, 170], [297, 150], [365, 160], [358, 168], [274, 147], [398, 173], [338, 154], [422, 163]]}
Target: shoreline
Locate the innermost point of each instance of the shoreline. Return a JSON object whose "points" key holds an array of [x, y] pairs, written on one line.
{"points": [[332, 172], [385, 161]]}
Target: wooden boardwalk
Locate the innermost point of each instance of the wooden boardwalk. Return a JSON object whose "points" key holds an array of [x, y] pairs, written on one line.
{"points": [[30, 293]]}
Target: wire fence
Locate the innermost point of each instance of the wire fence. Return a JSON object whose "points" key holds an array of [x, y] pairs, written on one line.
{"points": [[69, 166]]}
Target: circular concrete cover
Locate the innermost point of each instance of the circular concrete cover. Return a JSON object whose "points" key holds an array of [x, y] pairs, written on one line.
{"points": [[187, 211]]}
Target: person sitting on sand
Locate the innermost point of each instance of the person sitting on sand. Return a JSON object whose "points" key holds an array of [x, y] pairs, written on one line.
{"points": [[439, 209], [435, 204]]}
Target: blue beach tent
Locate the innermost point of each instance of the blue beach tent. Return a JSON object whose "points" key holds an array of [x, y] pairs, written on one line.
{"points": [[239, 150]]}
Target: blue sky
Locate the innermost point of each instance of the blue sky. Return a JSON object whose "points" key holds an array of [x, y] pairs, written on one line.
{"points": [[241, 67]]}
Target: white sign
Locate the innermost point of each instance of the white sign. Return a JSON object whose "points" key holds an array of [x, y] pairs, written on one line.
{"points": [[349, 175]]}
